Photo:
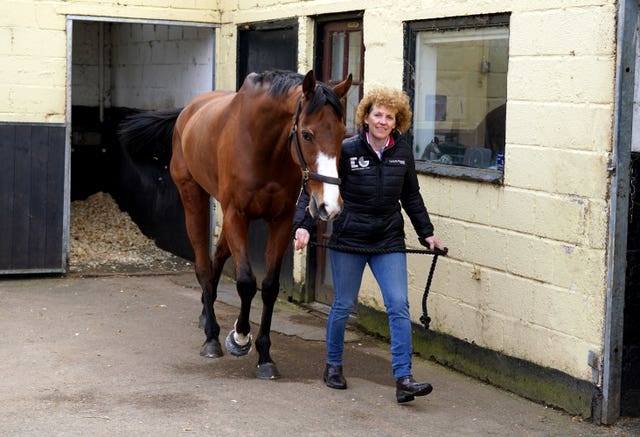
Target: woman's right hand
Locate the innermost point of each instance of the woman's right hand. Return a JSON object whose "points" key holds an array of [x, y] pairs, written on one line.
{"points": [[301, 238]]}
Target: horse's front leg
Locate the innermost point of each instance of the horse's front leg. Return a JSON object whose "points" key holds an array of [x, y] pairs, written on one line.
{"points": [[236, 226], [279, 239]]}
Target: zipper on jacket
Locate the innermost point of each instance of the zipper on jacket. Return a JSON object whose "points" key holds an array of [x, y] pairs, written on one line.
{"points": [[380, 182]]}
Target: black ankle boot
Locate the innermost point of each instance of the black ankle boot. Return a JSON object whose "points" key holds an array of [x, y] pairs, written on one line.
{"points": [[333, 377], [407, 389]]}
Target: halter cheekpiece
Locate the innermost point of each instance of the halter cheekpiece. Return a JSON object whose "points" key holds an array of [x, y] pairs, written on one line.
{"points": [[306, 173]]}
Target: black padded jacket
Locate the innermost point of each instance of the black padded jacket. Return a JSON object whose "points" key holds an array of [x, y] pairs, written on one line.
{"points": [[373, 191]]}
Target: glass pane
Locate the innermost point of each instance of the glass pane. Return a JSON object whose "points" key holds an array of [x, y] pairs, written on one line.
{"points": [[353, 98], [460, 96], [337, 56], [355, 47]]}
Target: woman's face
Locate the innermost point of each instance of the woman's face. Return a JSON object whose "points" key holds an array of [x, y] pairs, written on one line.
{"points": [[381, 120]]}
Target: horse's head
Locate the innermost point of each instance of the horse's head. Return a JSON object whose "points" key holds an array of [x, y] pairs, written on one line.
{"points": [[317, 135]]}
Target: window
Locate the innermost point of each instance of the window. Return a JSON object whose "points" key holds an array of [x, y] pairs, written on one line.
{"points": [[340, 52], [457, 77]]}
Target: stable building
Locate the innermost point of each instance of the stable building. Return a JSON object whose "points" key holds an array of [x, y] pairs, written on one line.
{"points": [[524, 140]]}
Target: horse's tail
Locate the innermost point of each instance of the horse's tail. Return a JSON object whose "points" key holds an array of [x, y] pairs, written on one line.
{"points": [[147, 135]]}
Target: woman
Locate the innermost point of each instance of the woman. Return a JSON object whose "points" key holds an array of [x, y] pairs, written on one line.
{"points": [[378, 179]]}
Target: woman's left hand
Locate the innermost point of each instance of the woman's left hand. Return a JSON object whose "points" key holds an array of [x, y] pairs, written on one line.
{"points": [[301, 238], [432, 243]]}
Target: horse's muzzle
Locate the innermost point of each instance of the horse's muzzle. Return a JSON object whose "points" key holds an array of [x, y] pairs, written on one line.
{"points": [[322, 210]]}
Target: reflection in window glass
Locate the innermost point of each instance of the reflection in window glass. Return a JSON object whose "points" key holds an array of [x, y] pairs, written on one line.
{"points": [[355, 47], [343, 54], [351, 106], [337, 55], [460, 96]]}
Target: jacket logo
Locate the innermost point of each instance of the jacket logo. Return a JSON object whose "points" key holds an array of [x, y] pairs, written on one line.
{"points": [[358, 162], [397, 161]]}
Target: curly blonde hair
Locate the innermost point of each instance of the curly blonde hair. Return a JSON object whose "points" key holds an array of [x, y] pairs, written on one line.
{"points": [[391, 98]]}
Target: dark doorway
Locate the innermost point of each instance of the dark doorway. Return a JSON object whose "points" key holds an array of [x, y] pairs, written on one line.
{"points": [[267, 46], [630, 390], [262, 47], [119, 69]]}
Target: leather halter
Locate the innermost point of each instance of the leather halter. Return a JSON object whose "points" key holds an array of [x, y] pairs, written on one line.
{"points": [[306, 173]]}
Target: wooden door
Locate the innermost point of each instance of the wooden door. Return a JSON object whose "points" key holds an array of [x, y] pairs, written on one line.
{"points": [[261, 47], [340, 53], [32, 193]]}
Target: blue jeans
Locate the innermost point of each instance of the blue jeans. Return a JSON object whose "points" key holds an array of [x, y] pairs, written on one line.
{"points": [[390, 271]]}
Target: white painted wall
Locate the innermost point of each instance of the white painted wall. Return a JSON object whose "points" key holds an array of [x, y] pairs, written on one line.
{"points": [[146, 66], [159, 66], [526, 275], [86, 77], [33, 48], [526, 272]]}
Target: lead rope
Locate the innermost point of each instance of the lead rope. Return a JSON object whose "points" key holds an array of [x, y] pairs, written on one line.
{"points": [[424, 319]]}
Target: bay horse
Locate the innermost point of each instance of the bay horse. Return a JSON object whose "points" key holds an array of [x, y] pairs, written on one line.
{"points": [[251, 150]]}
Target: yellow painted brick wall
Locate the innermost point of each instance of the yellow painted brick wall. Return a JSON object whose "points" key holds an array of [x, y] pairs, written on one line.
{"points": [[527, 266], [33, 47]]}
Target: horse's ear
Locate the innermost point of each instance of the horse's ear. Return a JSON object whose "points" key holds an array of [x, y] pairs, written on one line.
{"points": [[342, 88], [309, 85]]}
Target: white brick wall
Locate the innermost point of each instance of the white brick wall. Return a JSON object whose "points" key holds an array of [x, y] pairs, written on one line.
{"points": [[146, 66], [33, 33], [86, 48], [527, 260], [527, 266], [160, 67]]}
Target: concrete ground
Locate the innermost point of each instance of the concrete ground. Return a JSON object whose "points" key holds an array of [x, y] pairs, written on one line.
{"points": [[119, 355]]}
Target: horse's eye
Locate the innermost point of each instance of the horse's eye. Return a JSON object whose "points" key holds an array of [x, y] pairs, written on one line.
{"points": [[307, 136]]}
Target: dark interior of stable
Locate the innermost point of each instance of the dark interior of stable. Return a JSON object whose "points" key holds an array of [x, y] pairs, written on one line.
{"points": [[120, 68], [142, 187], [630, 393]]}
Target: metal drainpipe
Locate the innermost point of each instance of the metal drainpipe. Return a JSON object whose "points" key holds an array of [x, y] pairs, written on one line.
{"points": [[627, 20]]}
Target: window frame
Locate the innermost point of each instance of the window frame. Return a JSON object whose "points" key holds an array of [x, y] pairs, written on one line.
{"points": [[412, 29], [325, 26]]}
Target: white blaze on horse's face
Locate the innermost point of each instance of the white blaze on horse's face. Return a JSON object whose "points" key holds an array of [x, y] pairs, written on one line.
{"points": [[329, 206]]}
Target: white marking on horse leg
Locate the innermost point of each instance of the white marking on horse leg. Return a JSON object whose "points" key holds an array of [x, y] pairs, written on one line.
{"points": [[331, 192], [240, 339]]}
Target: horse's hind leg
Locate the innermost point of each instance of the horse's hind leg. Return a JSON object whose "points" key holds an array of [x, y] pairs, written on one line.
{"points": [[196, 208], [211, 347], [221, 255], [279, 238]]}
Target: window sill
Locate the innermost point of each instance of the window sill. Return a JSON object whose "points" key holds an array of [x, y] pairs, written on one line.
{"points": [[460, 172]]}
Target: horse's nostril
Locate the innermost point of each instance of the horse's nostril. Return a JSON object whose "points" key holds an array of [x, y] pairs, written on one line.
{"points": [[322, 212], [313, 207]]}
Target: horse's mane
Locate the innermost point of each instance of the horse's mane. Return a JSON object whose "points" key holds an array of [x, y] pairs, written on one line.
{"points": [[279, 82]]}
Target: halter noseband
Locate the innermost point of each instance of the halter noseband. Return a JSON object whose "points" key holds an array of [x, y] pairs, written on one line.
{"points": [[306, 173]]}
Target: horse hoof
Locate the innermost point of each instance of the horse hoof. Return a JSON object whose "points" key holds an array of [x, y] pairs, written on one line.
{"points": [[268, 371], [234, 348], [211, 349]]}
